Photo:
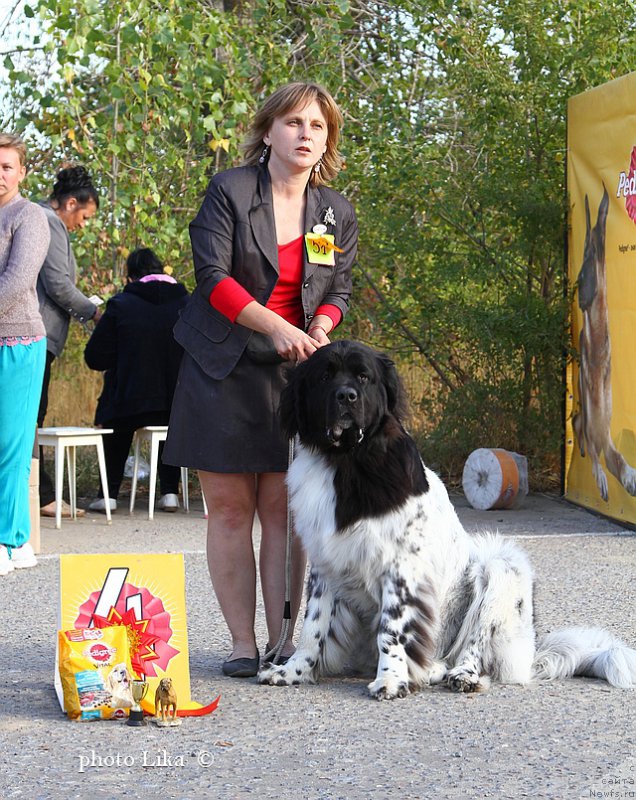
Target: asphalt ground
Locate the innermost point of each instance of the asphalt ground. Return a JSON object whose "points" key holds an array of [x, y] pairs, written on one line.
{"points": [[568, 739]]}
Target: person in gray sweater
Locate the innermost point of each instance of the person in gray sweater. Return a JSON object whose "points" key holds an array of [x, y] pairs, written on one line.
{"points": [[24, 240], [73, 202]]}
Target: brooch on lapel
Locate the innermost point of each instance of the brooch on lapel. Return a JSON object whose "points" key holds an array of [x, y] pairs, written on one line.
{"points": [[329, 218]]}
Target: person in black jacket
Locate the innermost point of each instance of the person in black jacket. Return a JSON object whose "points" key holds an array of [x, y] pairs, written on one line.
{"points": [[134, 344]]}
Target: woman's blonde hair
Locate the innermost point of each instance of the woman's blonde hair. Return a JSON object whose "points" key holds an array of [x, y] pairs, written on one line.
{"points": [[283, 100], [16, 143]]}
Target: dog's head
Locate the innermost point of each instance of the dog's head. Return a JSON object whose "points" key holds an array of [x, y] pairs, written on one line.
{"points": [[165, 684], [118, 676], [592, 269], [343, 392]]}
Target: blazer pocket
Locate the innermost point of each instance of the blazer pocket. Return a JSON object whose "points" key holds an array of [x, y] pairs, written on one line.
{"points": [[215, 344], [201, 317]]}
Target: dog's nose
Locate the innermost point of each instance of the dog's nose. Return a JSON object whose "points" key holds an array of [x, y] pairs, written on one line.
{"points": [[346, 394]]}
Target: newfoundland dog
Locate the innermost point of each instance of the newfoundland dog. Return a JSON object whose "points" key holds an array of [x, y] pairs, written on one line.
{"points": [[396, 585]]}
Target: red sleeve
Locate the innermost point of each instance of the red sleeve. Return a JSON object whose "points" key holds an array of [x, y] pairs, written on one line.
{"points": [[333, 312], [230, 298]]}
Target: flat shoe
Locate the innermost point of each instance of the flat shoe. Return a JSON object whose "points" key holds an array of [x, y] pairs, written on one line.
{"points": [[242, 667]]}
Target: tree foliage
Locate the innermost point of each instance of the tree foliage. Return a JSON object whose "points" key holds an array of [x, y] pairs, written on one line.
{"points": [[455, 145]]}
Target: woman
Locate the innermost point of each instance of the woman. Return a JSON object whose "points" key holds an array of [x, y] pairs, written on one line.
{"points": [[262, 295], [134, 344], [24, 239], [72, 203]]}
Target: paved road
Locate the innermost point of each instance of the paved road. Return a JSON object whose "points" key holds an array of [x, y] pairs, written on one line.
{"points": [[571, 739]]}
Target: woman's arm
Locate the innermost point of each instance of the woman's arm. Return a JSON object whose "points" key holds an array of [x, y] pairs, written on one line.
{"points": [[29, 244], [56, 275]]}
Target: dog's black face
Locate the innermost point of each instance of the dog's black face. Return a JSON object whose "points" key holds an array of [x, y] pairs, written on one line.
{"points": [[339, 396]]}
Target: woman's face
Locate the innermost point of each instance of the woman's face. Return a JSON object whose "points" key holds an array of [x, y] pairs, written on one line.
{"points": [[297, 139], [74, 215], [12, 173]]}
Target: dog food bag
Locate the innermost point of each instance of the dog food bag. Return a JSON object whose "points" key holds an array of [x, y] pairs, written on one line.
{"points": [[95, 671]]}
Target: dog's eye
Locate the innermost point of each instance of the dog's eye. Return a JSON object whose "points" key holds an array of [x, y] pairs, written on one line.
{"points": [[363, 377], [324, 377]]}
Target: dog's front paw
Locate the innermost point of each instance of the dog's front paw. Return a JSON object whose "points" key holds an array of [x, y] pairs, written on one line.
{"points": [[292, 673], [388, 687], [462, 680]]}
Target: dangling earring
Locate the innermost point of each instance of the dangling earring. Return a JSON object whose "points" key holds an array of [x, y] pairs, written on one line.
{"points": [[318, 165], [264, 154]]}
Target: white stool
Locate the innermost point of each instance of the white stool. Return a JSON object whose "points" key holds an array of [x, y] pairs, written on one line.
{"points": [[68, 439], [153, 434]]}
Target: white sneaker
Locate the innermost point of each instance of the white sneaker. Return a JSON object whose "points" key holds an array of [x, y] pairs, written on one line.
{"points": [[168, 502], [100, 505], [23, 557], [6, 565]]}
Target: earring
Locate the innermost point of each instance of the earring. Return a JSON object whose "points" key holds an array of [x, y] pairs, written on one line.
{"points": [[264, 155], [318, 165]]}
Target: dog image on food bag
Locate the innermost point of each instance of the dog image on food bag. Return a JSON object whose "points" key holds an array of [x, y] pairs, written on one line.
{"points": [[118, 684], [592, 422]]}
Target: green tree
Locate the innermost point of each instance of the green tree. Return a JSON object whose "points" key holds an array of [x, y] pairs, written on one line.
{"points": [[455, 154]]}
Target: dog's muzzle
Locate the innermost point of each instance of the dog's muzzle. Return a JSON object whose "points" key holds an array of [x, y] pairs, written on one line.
{"points": [[345, 431]]}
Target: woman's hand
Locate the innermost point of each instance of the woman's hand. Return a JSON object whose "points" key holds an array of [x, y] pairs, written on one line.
{"points": [[319, 334], [291, 343]]}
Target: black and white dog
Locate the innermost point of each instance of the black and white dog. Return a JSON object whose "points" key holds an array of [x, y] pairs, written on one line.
{"points": [[396, 583]]}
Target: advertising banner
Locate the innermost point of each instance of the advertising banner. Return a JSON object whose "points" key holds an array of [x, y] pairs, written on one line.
{"points": [[600, 455]]}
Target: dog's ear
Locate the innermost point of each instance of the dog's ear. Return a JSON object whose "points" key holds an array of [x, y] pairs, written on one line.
{"points": [[396, 396], [290, 403]]}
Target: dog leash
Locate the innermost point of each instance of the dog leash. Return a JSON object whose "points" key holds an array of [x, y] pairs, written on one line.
{"points": [[274, 654]]}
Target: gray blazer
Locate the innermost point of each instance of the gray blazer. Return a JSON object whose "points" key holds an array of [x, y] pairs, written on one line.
{"points": [[234, 234], [58, 296]]}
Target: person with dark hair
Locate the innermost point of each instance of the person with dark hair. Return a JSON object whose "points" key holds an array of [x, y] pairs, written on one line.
{"points": [[134, 345], [24, 239], [72, 203], [273, 251]]}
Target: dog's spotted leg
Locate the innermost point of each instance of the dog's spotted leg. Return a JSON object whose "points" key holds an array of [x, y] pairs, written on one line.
{"points": [[315, 641], [466, 676], [405, 639]]}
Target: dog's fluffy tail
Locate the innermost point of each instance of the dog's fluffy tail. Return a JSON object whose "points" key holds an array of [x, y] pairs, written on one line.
{"points": [[591, 652]]}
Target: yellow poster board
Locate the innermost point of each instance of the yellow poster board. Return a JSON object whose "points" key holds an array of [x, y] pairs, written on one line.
{"points": [[600, 453], [145, 592]]}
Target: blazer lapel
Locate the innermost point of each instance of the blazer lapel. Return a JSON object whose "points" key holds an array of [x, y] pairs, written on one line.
{"points": [[312, 217], [262, 220]]}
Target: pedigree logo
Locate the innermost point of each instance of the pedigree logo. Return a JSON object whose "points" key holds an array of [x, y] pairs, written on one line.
{"points": [[627, 187]]}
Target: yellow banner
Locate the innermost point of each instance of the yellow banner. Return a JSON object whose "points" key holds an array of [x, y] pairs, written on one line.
{"points": [[600, 399]]}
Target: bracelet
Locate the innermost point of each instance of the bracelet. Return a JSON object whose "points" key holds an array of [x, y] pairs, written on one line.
{"points": [[314, 327]]}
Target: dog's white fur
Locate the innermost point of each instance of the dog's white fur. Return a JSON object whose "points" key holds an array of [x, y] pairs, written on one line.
{"points": [[479, 589]]}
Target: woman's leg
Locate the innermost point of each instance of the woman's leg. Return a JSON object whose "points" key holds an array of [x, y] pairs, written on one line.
{"points": [[271, 505], [21, 370], [231, 501]]}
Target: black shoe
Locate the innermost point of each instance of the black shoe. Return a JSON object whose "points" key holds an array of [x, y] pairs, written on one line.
{"points": [[242, 667], [281, 659]]}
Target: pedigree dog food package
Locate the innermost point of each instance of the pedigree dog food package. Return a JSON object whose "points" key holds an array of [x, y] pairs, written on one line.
{"points": [[95, 671]]}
